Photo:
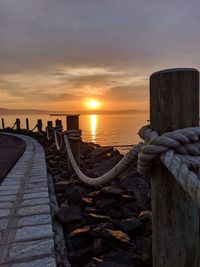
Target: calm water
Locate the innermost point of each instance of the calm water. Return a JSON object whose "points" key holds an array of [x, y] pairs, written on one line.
{"points": [[102, 129]]}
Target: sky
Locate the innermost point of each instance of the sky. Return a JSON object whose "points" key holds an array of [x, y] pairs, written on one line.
{"points": [[57, 54]]}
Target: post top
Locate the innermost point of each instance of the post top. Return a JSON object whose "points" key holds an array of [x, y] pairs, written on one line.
{"points": [[174, 70]]}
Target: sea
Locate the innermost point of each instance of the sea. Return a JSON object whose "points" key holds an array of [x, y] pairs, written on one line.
{"points": [[118, 130]]}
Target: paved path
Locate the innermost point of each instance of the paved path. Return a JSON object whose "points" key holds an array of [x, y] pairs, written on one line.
{"points": [[11, 148], [26, 236]]}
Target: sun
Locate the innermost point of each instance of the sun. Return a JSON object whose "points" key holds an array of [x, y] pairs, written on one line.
{"points": [[93, 104]]}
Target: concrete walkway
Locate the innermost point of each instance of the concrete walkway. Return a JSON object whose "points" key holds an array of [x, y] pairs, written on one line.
{"points": [[26, 236]]}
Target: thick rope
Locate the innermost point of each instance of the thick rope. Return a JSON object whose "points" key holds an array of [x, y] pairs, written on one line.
{"points": [[119, 168], [49, 131], [58, 145], [179, 151]]}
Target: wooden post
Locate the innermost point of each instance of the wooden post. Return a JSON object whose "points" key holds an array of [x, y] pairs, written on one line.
{"points": [[49, 124], [73, 124], [3, 124], [18, 124], [174, 104], [58, 123], [39, 125], [27, 124]]}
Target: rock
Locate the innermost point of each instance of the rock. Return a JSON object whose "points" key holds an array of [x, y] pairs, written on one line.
{"points": [[62, 185], [97, 218], [87, 200], [74, 196], [102, 153], [106, 203], [111, 190], [81, 256], [145, 216], [131, 226], [106, 165], [116, 237], [98, 247], [120, 258], [69, 214], [86, 148], [80, 238], [94, 194]]}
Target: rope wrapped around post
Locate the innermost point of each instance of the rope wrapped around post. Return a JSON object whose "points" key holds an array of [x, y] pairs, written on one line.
{"points": [[178, 150]]}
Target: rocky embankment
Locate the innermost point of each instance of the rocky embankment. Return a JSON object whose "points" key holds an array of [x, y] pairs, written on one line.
{"points": [[104, 226], [107, 225]]}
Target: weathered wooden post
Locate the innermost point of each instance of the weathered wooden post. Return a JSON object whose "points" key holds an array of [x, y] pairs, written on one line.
{"points": [[174, 104], [73, 124], [3, 124], [18, 124], [27, 124], [58, 123], [39, 125], [49, 123]]}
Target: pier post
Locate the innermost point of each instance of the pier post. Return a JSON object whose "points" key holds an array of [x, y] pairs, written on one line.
{"points": [[3, 124], [49, 124], [73, 124], [174, 104], [27, 124], [18, 124], [58, 123], [39, 125]]}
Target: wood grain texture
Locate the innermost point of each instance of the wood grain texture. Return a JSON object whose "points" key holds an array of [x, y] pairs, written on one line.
{"points": [[174, 104], [73, 124]]}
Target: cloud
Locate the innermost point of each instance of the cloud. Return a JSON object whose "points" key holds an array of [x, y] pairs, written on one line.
{"points": [[62, 50]]}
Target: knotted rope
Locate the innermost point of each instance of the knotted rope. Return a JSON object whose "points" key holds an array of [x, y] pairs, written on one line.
{"points": [[178, 150]]}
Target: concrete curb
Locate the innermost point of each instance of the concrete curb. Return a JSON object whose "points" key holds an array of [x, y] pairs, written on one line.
{"points": [[26, 235]]}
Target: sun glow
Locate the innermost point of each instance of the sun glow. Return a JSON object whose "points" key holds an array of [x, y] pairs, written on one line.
{"points": [[93, 104]]}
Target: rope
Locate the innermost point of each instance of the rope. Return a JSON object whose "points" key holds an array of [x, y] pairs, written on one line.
{"points": [[34, 127], [49, 135], [180, 153], [178, 150], [58, 146], [119, 168]]}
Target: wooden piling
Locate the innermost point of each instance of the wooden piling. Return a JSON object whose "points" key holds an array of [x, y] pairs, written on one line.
{"points": [[49, 123], [73, 124], [3, 124], [174, 104], [18, 124], [58, 123], [27, 124], [39, 125]]}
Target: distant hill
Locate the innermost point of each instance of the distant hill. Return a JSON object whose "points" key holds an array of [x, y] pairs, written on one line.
{"points": [[4, 111]]}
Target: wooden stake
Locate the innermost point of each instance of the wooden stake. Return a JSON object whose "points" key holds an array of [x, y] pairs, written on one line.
{"points": [[18, 124], [3, 124], [49, 123], [73, 124], [39, 125], [174, 104], [27, 124]]}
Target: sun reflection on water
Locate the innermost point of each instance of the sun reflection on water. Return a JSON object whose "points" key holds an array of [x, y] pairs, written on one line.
{"points": [[93, 127]]}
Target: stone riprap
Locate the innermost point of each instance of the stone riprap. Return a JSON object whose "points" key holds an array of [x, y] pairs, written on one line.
{"points": [[26, 235]]}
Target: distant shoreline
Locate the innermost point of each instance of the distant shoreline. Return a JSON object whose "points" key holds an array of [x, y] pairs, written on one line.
{"points": [[83, 112]]}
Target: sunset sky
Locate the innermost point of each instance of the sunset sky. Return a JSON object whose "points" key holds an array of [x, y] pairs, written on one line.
{"points": [[57, 54]]}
